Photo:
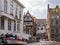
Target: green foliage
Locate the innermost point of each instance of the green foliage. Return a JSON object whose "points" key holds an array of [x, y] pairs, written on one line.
{"points": [[58, 10]]}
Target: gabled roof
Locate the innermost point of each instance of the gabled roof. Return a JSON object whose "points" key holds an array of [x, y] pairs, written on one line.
{"points": [[41, 21], [33, 18], [27, 13]]}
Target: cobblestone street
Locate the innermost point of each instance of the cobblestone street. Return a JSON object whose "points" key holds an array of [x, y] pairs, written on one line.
{"points": [[45, 43], [37, 44]]}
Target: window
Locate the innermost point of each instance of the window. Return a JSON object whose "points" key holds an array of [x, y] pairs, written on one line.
{"points": [[57, 29], [52, 30], [41, 28], [16, 11], [2, 23], [52, 17], [29, 26], [9, 24], [11, 8], [38, 28], [18, 25], [14, 25], [5, 5], [20, 15], [52, 21], [28, 17], [57, 17], [28, 21], [57, 21]]}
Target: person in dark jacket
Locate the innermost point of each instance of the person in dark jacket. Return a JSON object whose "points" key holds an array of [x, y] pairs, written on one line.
{"points": [[2, 38], [15, 36], [6, 35]]}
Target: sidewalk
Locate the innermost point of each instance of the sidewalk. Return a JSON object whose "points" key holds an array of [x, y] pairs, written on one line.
{"points": [[56, 43]]}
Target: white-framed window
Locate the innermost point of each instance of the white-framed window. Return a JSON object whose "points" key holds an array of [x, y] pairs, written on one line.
{"points": [[14, 25], [16, 10], [18, 25], [5, 5], [11, 8], [9, 24], [20, 15], [2, 23]]}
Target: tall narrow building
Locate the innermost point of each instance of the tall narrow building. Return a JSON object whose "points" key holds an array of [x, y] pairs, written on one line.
{"points": [[53, 23], [29, 24]]}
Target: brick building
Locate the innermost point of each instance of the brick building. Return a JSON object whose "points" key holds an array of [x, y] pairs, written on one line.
{"points": [[53, 23]]}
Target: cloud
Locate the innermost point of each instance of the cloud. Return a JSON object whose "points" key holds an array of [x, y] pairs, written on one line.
{"points": [[53, 3], [39, 12], [37, 8]]}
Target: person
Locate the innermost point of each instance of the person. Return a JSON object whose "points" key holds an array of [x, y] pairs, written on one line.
{"points": [[15, 37], [6, 35], [2, 38]]}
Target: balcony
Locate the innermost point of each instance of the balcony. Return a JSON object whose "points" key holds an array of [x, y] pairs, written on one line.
{"points": [[2, 13]]}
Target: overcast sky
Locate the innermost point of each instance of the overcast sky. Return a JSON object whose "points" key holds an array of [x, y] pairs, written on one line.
{"points": [[38, 8]]}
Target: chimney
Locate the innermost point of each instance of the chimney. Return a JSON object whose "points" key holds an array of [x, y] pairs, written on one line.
{"points": [[48, 6]]}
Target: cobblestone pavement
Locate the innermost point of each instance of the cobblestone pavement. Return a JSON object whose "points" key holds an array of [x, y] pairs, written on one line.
{"points": [[44, 43], [37, 44]]}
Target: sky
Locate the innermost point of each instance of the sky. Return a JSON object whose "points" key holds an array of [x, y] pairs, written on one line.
{"points": [[38, 8]]}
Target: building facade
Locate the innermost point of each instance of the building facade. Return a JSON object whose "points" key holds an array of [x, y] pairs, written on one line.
{"points": [[29, 24], [53, 23], [11, 16], [41, 27]]}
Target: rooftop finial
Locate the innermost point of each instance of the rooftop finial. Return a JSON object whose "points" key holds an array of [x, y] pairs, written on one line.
{"points": [[28, 12], [48, 6]]}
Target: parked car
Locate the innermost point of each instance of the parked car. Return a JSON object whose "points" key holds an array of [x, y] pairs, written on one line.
{"points": [[14, 39]]}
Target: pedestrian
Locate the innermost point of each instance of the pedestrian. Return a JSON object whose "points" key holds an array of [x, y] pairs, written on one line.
{"points": [[15, 37], [2, 38], [6, 35]]}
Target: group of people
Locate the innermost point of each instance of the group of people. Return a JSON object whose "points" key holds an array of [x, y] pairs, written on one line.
{"points": [[3, 37]]}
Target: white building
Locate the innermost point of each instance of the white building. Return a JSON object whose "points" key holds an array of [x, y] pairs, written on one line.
{"points": [[41, 26], [11, 16], [41, 29]]}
